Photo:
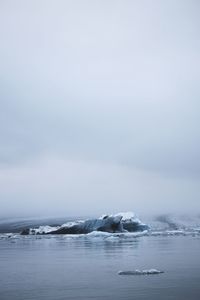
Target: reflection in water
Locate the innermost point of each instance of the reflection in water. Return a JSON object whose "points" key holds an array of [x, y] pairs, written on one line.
{"points": [[62, 267]]}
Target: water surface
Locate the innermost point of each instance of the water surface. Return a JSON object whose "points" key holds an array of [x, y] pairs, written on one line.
{"points": [[64, 267]]}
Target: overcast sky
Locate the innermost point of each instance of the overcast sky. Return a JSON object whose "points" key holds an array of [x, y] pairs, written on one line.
{"points": [[99, 106]]}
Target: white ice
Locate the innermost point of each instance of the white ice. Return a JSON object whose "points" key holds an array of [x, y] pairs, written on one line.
{"points": [[141, 272]]}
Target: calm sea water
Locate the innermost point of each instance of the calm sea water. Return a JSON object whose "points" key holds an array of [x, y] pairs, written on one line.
{"points": [[59, 268]]}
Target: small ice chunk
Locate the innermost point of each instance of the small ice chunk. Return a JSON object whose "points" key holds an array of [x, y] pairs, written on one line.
{"points": [[141, 272]]}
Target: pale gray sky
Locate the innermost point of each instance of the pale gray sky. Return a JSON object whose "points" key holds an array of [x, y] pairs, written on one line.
{"points": [[99, 106]]}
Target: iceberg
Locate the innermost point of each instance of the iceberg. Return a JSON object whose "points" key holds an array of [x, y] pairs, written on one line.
{"points": [[121, 222]]}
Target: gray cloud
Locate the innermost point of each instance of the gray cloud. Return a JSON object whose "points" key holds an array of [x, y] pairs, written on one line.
{"points": [[100, 83]]}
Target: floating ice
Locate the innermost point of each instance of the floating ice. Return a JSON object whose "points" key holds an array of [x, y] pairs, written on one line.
{"points": [[141, 272], [124, 225], [121, 222]]}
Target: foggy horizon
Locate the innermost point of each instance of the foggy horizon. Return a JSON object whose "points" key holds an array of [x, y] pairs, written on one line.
{"points": [[100, 108]]}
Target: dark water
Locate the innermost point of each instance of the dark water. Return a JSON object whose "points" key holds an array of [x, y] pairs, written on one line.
{"points": [[55, 268]]}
